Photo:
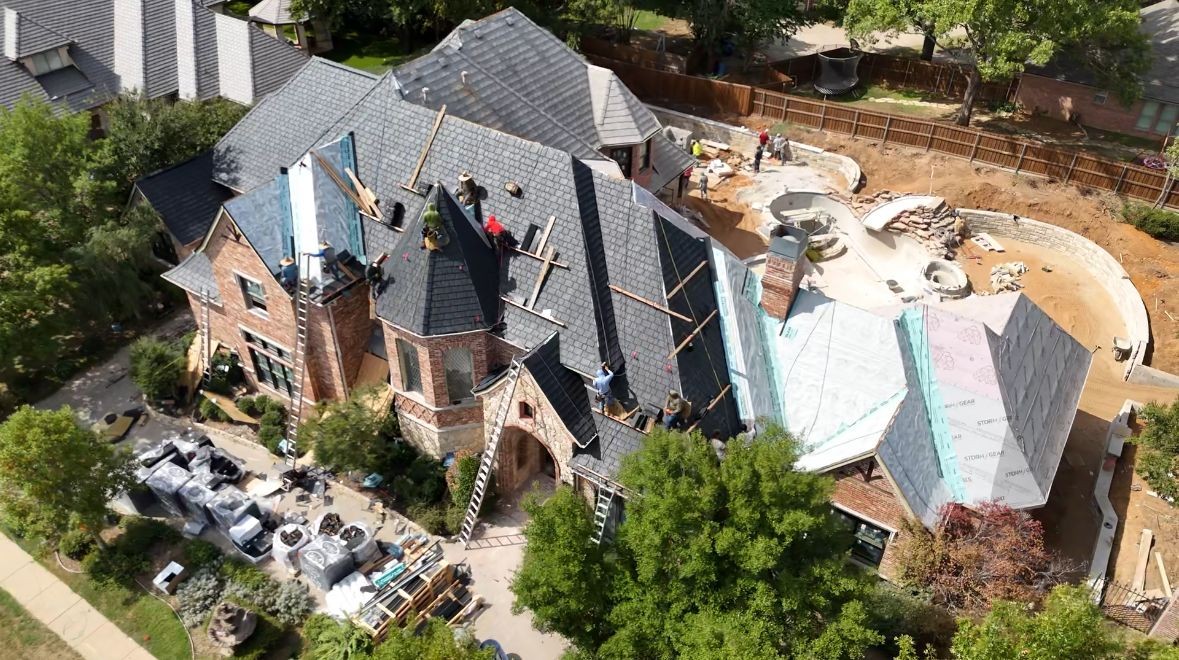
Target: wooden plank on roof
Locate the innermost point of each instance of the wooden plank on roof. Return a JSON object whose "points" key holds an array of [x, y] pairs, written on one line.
{"points": [[544, 238], [556, 264], [691, 336], [546, 317], [540, 277], [684, 281], [417, 170], [710, 406], [649, 303], [340, 183]]}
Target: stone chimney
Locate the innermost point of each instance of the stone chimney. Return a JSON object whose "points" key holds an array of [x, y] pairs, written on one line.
{"points": [[130, 45], [186, 54], [11, 21], [785, 265]]}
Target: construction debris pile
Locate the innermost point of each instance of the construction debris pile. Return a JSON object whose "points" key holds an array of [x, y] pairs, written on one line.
{"points": [[934, 225], [1005, 277]]}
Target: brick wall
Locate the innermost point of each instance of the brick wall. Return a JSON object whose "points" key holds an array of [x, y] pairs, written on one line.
{"points": [[870, 495], [1166, 629], [779, 284], [1060, 100], [337, 334]]}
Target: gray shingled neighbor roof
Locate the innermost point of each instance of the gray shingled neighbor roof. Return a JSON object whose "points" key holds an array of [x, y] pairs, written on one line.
{"points": [[186, 197], [147, 44], [194, 275]]}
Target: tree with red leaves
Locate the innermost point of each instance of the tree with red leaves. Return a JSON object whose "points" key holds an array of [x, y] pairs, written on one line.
{"points": [[978, 556]]}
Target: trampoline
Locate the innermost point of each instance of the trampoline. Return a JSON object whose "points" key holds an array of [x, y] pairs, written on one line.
{"points": [[837, 71]]}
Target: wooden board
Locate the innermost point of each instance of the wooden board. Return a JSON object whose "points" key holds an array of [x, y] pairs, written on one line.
{"points": [[1144, 542], [544, 238], [373, 371], [230, 408], [1158, 559], [649, 303], [540, 277]]}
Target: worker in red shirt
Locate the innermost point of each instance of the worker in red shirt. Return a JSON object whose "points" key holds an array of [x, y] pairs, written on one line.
{"points": [[763, 137], [495, 231]]}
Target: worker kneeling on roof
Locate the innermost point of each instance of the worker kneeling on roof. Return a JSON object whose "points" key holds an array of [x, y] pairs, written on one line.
{"points": [[331, 262], [673, 410]]}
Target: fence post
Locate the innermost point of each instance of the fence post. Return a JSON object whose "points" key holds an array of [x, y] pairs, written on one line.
{"points": [[929, 138], [887, 121], [908, 66], [1069, 174], [1121, 177], [1022, 150], [974, 150], [856, 123], [822, 115]]}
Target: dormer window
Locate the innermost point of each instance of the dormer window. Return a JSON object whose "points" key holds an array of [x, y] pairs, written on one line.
{"points": [[621, 155], [40, 64]]}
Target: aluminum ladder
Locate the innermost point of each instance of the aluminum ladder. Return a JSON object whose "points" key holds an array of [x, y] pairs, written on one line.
{"points": [[298, 362], [602, 512], [488, 460], [206, 347]]}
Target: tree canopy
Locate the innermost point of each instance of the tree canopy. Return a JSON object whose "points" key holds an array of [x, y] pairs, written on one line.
{"points": [[1002, 36], [54, 474], [1158, 447], [740, 558], [344, 435]]}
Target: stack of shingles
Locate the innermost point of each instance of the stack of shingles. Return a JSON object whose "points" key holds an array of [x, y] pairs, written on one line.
{"points": [[932, 225], [1005, 277]]}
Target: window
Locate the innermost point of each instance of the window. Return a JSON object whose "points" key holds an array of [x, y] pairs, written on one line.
{"points": [[622, 157], [266, 345], [526, 411], [272, 372], [459, 374], [1101, 97], [411, 373], [253, 294], [50, 60], [1158, 118], [868, 540], [646, 155]]}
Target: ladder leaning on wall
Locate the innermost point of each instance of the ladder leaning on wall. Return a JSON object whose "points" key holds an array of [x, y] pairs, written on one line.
{"points": [[206, 350], [602, 511], [298, 364], [488, 461]]}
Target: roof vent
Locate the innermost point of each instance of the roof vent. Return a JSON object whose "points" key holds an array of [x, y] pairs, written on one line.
{"points": [[425, 94], [513, 189]]}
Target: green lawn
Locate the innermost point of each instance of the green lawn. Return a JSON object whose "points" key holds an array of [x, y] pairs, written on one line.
{"points": [[22, 636], [370, 52], [649, 20], [145, 619]]}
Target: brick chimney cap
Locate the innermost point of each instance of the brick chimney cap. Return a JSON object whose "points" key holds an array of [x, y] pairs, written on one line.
{"points": [[788, 242]]}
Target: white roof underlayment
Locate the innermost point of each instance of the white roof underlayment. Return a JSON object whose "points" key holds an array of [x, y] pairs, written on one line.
{"points": [[963, 401]]}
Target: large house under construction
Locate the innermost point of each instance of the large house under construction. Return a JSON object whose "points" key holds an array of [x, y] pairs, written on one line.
{"points": [[488, 340]]}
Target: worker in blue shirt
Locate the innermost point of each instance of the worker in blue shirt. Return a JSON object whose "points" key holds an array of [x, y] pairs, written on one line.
{"points": [[288, 274], [331, 262], [602, 379]]}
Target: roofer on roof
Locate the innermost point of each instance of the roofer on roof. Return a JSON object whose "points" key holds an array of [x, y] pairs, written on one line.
{"points": [[602, 379], [288, 274], [673, 410], [331, 262]]}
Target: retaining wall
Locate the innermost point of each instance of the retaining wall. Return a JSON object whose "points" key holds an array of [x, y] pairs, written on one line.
{"points": [[1100, 263], [1115, 437], [744, 140]]}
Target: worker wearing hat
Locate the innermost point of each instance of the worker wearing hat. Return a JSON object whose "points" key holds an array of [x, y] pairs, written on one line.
{"points": [[673, 410], [330, 261], [288, 274]]}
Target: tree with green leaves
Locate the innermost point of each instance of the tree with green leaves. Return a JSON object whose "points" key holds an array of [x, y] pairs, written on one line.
{"points": [[1001, 37], [1158, 448], [748, 23], [1069, 626], [740, 558], [344, 435], [56, 475], [156, 367]]}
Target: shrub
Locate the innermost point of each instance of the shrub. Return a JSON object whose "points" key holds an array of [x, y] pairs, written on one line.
{"points": [[244, 574], [1158, 453], [423, 483], [140, 534], [266, 636], [271, 430], [197, 595], [248, 405], [433, 518], [198, 554], [75, 544], [1159, 223], [156, 367], [210, 411], [223, 373], [292, 603], [461, 480], [115, 565]]}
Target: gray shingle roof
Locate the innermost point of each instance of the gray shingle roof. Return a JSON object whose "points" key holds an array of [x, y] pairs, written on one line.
{"points": [[668, 162], [195, 274], [565, 390], [30, 36], [282, 126], [604, 457], [274, 61], [508, 73], [159, 47], [274, 12], [186, 197], [259, 214]]}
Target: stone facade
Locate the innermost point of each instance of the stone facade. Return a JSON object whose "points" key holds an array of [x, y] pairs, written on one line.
{"points": [[865, 491], [527, 428], [1068, 101]]}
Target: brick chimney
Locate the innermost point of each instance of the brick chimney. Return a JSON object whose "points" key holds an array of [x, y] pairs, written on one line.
{"points": [[785, 265]]}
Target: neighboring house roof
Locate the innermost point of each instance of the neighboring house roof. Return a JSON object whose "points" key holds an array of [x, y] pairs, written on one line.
{"points": [[23, 36], [155, 46], [195, 275], [963, 401], [1160, 23], [186, 197], [274, 12], [510, 74]]}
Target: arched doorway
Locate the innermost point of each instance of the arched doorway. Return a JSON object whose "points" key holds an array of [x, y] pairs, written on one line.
{"points": [[523, 461]]}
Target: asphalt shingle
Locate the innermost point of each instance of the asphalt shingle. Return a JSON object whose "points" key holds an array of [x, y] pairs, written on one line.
{"points": [[186, 197], [195, 275]]}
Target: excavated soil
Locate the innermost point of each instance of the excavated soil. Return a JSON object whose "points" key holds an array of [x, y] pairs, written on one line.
{"points": [[1153, 265], [730, 221]]}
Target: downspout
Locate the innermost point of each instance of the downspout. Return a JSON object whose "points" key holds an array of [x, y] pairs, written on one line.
{"points": [[336, 346]]}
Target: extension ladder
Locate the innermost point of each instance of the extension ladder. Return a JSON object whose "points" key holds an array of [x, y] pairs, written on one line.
{"points": [[488, 460], [602, 512], [298, 363], [206, 341]]}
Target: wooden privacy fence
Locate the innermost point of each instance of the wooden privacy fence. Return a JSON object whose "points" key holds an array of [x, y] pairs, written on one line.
{"points": [[968, 143], [1020, 156]]}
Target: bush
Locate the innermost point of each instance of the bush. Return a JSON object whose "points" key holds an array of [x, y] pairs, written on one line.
{"points": [[461, 481], [224, 373], [75, 544], [210, 411], [271, 430], [292, 603], [198, 554], [266, 636], [244, 574], [115, 565], [140, 534], [156, 367], [197, 595], [433, 518], [1159, 223], [1158, 448], [424, 482]]}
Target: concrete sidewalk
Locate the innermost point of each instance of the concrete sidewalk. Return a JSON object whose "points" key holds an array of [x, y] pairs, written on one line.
{"points": [[64, 612]]}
